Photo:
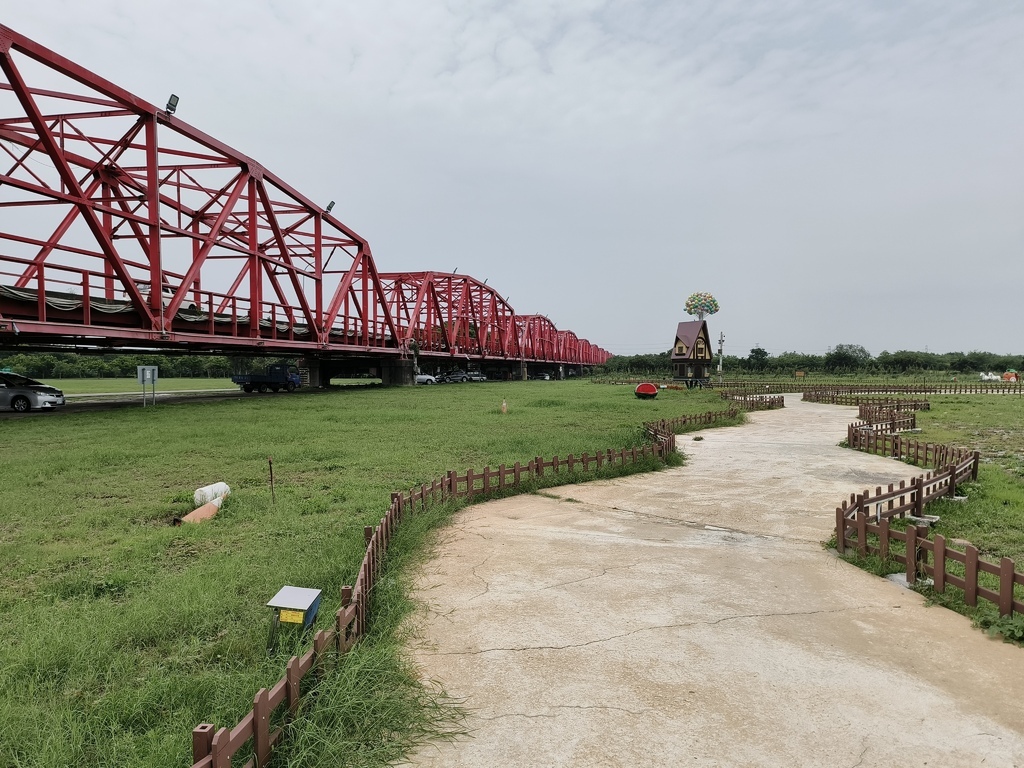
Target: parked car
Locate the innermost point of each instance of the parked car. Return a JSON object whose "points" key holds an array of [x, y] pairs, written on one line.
{"points": [[454, 375], [425, 378], [22, 394], [476, 376]]}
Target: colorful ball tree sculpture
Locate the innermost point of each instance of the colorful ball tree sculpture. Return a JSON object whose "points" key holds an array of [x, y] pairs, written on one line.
{"points": [[701, 304]]}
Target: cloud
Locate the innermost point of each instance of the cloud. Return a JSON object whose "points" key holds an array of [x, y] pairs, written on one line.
{"points": [[599, 161]]}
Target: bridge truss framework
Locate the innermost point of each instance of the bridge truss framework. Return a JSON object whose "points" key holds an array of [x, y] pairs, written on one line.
{"points": [[122, 227]]}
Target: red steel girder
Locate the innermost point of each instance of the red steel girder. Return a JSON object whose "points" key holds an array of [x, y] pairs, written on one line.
{"points": [[121, 223], [146, 215]]}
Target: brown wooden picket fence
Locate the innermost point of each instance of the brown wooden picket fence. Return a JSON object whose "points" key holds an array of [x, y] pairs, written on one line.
{"points": [[881, 440], [874, 413], [891, 421], [752, 402], [948, 388], [863, 524], [882, 422], [671, 426], [771, 386], [215, 748], [870, 400]]}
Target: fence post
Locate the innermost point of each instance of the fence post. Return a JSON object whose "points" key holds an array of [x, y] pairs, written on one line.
{"points": [[219, 748], [539, 466], [883, 538], [918, 483], [261, 727], [974, 468], [319, 646], [1006, 587], [862, 530], [911, 555], [939, 565], [202, 741], [840, 530], [952, 480], [343, 632], [292, 679]]}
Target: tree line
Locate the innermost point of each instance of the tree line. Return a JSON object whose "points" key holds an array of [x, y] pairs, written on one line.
{"points": [[841, 359], [69, 365]]}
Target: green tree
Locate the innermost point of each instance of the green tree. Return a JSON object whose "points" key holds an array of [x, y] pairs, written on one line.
{"points": [[847, 358], [758, 359]]}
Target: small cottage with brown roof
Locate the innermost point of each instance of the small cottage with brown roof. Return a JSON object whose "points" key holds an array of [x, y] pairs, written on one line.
{"points": [[691, 354]]}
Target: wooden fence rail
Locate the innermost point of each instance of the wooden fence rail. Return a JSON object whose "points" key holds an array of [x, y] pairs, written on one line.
{"points": [[881, 440], [871, 533], [863, 522], [752, 402], [834, 397], [215, 748], [779, 387], [890, 420], [952, 388]]}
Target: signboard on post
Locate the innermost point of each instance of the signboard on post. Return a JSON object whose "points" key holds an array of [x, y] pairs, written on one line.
{"points": [[148, 375]]}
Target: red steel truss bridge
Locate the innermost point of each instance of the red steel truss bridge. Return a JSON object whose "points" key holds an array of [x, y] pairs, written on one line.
{"points": [[124, 228]]}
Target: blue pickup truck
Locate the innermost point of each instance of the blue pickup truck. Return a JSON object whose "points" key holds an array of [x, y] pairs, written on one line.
{"points": [[276, 378]]}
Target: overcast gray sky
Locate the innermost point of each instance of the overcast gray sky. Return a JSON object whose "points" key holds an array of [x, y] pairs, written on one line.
{"points": [[833, 172]]}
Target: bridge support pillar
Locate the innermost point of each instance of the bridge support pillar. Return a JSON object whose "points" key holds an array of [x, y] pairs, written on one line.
{"points": [[396, 373], [309, 368]]}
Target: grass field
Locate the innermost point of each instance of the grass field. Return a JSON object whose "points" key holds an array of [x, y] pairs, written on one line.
{"points": [[75, 387], [124, 632], [93, 386]]}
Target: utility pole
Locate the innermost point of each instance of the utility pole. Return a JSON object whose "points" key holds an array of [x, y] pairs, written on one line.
{"points": [[721, 341]]}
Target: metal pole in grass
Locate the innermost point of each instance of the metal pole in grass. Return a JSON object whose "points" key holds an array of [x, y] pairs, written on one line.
{"points": [[270, 463]]}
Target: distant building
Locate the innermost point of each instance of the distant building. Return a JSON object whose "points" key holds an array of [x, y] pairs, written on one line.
{"points": [[691, 354]]}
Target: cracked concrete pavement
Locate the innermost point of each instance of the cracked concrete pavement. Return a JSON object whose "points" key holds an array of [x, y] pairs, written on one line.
{"points": [[692, 617]]}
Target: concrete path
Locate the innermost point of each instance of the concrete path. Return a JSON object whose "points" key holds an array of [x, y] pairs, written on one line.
{"points": [[692, 617]]}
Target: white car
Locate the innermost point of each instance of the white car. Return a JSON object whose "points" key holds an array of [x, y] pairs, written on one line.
{"points": [[425, 378], [22, 394]]}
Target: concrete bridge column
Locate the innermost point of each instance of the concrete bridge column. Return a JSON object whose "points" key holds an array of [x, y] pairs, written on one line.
{"points": [[310, 366], [396, 373]]}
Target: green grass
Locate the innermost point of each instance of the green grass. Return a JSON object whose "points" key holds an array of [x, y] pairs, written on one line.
{"points": [[992, 518], [994, 424], [124, 632], [93, 386], [75, 387]]}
